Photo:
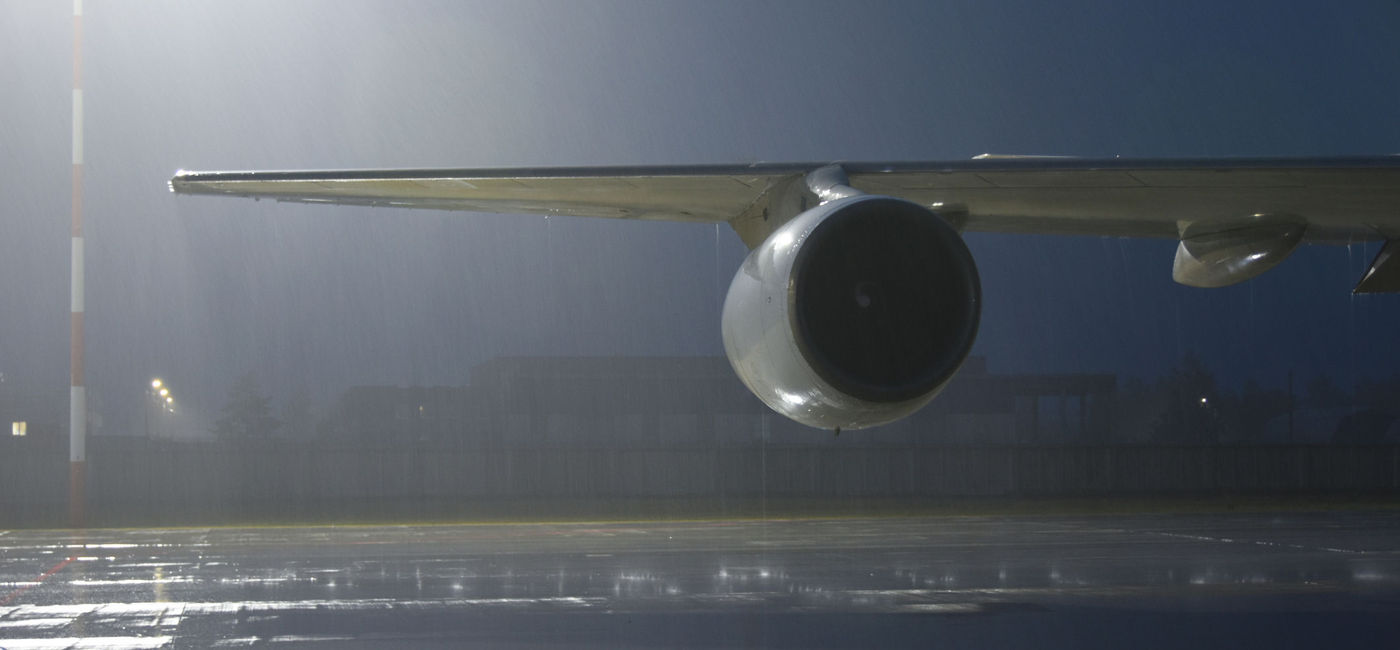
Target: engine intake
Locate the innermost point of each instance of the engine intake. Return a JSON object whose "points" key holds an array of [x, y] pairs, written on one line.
{"points": [[854, 313]]}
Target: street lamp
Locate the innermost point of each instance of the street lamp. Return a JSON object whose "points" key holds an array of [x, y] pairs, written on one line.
{"points": [[158, 397]]}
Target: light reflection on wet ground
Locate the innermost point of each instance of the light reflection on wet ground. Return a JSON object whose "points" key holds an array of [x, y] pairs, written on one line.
{"points": [[778, 583]]}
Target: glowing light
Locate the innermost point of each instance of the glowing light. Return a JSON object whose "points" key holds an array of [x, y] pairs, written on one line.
{"points": [[165, 392], [792, 399], [156, 383]]}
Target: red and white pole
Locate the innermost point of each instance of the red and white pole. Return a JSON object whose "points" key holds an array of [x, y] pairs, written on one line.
{"points": [[77, 396]]}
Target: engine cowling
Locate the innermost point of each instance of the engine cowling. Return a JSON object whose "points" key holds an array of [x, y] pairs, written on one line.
{"points": [[854, 313]]}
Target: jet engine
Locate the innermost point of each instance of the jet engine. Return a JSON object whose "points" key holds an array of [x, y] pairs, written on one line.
{"points": [[854, 313]]}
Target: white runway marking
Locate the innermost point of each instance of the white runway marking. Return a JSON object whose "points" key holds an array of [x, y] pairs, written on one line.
{"points": [[1259, 542], [90, 643]]}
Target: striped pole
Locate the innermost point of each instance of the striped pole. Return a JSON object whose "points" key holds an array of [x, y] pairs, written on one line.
{"points": [[77, 397]]}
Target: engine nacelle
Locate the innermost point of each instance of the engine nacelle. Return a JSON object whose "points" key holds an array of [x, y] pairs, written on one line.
{"points": [[854, 313]]}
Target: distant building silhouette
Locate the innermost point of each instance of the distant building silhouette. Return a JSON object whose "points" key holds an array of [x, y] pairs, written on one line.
{"points": [[698, 401], [28, 418]]}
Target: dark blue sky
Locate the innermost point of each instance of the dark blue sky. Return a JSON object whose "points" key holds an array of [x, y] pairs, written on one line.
{"points": [[200, 290]]}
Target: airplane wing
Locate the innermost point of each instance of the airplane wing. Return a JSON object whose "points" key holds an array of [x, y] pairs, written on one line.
{"points": [[704, 194], [1340, 198], [1328, 200]]}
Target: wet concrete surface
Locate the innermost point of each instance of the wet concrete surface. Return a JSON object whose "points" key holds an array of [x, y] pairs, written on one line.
{"points": [[1220, 580]]}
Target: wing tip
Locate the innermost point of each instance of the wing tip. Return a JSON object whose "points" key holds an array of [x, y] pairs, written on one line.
{"points": [[177, 180]]}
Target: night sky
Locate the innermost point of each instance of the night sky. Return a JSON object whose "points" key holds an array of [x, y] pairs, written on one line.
{"points": [[199, 290]]}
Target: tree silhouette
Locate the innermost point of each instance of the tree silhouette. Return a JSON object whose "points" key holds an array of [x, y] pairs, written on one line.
{"points": [[1323, 393], [297, 416], [248, 414], [1249, 415]]}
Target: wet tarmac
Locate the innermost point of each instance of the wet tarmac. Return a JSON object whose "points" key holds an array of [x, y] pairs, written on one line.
{"points": [[1223, 580]]}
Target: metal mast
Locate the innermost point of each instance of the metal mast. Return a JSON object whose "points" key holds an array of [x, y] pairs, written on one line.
{"points": [[77, 397]]}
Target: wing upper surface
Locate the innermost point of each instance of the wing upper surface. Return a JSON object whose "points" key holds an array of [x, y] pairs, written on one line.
{"points": [[1339, 198], [699, 194]]}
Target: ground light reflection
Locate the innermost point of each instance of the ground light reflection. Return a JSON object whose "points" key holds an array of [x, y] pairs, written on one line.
{"points": [[207, 586]]}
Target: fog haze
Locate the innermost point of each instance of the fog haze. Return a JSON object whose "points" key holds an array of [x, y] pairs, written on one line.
{"points": [[200, 290]]}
